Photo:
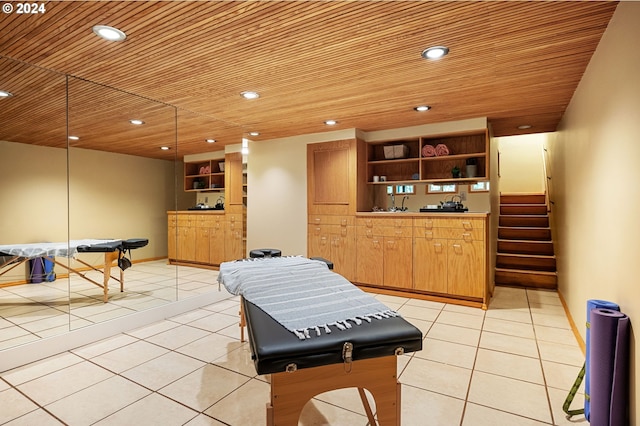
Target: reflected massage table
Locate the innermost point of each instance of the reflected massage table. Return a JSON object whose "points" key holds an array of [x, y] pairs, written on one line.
{"points": [[314, 332], [112, 249]]}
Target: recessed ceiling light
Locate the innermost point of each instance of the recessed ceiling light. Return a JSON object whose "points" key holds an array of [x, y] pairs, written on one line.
{"points": [[73, 138], [435, 52], [210, 140], [5, 94], [109, 33], [330, 122], [136, 122], [422, 108], [250, 95], [165, 148], [254, 133], [524, 126]]}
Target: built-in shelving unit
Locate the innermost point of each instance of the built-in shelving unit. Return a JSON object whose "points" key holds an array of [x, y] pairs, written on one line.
{"points": [[207, 175], [403, 160]]}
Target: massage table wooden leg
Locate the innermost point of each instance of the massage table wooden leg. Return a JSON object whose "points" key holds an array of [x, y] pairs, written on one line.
{"points": [[243, 321], [109, 257], [291, 391]]}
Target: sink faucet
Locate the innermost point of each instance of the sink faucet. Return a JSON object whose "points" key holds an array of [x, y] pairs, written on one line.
{"points": [[393, 203], [403, 208]]}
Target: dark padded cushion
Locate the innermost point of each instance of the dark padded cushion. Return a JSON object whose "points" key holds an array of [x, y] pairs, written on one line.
{"points": [[110, 246], [101, 247], [134, 243], [265, 253], [274, 347]]}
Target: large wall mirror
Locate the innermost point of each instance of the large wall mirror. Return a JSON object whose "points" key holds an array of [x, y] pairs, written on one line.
{"points": [[68, 172]]}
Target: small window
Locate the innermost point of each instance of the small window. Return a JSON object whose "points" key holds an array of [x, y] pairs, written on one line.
{"points": [[479, 187], [405, 189], [442, 189]]}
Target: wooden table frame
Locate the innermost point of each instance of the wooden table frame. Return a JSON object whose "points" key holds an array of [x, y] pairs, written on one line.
{"points": [[109, 258], [291, 391]]}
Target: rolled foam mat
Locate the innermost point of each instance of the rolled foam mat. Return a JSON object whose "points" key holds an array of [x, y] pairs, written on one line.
{"points": [[592, 304], [609, 368]]}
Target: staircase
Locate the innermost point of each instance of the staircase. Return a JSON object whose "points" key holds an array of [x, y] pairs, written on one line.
{"points": [[525, 256]]}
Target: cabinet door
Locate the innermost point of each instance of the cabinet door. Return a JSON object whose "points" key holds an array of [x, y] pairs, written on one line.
{"points": [[202, 244], [186, 243], [233, 238], [369, 269], [319, 241], [397, 262], [233, 178], [216, 242], [466, 267], [430, 264], [172, 241], [330, 174], [343, 249]]}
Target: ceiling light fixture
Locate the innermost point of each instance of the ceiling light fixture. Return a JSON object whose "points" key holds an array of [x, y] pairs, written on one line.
{"points": [[165, 148], [136, 122], [74, 138], [524, 126], [210, 140], [330, 122], [250, 95], [254, 133], [422, 108], [435, 52], [5, 94], [109, 33]]}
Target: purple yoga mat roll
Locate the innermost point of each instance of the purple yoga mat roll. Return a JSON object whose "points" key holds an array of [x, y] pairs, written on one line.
{"points": [[609, 368]]}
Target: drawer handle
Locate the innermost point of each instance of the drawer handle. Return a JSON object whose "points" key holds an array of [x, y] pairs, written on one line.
{"points": [[467, 225], [316, 220]]}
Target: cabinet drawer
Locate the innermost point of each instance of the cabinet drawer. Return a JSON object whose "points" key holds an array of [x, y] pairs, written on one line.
{"points": [[332, 220], [442, 222], [449, 234], [371, 222], [384, 231]]}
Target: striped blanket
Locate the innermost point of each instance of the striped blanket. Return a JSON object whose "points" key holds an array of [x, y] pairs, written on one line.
{"points": [[301, 294]]}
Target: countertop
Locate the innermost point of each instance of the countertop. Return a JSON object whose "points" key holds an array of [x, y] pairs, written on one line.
{"points": [[202, 211], [409, 214]]}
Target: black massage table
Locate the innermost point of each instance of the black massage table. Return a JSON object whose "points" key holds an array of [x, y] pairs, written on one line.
{"points": [[113, 250], [363, 356]]}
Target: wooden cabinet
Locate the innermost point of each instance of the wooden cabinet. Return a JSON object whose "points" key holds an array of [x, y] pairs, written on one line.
{"points": [[196, 238], [384, 251], [234, 237], [450, 256], [406, 160], [334, 238]]}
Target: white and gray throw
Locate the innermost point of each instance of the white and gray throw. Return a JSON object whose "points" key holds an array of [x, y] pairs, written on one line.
{"points": [[301, 294]]}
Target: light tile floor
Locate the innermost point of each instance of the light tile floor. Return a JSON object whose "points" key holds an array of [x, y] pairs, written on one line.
{"points": [[30, 312], [511, 365]]}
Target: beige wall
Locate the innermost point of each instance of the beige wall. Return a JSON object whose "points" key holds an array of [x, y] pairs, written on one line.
{"points": [[111, 196], [521, 164], [595, 173]]}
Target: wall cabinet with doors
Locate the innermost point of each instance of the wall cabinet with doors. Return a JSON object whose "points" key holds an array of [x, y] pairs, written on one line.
{"points": [[384, 252], [450, 256], [332, 170], [413, 160], [418, 255]]}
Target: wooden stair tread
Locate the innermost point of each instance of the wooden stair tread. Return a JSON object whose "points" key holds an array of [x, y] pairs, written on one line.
{"points": [[526, 271], [526, 255]]}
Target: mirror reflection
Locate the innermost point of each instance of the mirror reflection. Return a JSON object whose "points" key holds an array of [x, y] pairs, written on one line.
{"points": [[115, 197], [77, 170], [33, 172]]}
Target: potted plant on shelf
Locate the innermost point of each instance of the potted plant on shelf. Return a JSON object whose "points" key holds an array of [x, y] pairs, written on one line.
{"points": [[455, 172]]}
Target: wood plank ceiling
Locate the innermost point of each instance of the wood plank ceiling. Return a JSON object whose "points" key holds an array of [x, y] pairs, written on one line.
{"points": [[357, 62]]}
